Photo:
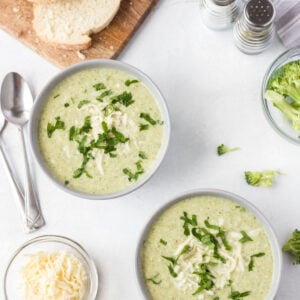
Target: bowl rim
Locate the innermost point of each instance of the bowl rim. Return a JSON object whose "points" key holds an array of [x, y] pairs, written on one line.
{"points": [[63, 240], [264, 102], [275, 246], [92, 64]]}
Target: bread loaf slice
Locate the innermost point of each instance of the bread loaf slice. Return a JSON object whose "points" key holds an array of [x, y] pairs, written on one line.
{"points": [[69, 23]]}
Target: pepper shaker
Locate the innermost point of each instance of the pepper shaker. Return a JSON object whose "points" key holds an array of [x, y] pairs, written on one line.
{"points": [[219, 14], [254, 30]]}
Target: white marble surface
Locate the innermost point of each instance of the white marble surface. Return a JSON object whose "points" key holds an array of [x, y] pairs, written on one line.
{"points": [[213, 93]]}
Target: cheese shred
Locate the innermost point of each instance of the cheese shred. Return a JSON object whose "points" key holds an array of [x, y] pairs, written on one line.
{"points": [[53, 276]]}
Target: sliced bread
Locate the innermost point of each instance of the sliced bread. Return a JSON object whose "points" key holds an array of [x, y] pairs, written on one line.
{"points": [[69, 23]]}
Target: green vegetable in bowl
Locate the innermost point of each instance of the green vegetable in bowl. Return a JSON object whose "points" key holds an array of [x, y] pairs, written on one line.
{"points": [[286, 81], [263, 178], [222, 149], [293, 245], [283, 90]]}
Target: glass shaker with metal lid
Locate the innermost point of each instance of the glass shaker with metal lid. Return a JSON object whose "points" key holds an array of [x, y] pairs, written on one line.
{"points": [[254, 30], [219, 14]]}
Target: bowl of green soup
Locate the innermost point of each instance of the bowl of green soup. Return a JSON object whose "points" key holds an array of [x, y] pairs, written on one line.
{"points": [[208, 245], [100, 129]]}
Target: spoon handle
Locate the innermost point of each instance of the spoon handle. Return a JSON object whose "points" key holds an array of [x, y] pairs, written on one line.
{"points": [[33, 211], [18, 188]]}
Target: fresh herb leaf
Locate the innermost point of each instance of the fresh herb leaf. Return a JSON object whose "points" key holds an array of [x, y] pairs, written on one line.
{"points": [[56, 96], [67, 182], [99, 86], [205, 279], [142, 155], [216, 298], [58, 125], [144, 127], [147, 118], [170, 259], [188, 221], [246, 238], [251, 263], [77, 173], [172, 272], [66, 104], [163, 242], [210, 226], [73, 132], [104, 94], [235, 295], [129, 82], [154, 279], [86, 125], [139, 171], [83, 102], [109, 109], [125, 98]]}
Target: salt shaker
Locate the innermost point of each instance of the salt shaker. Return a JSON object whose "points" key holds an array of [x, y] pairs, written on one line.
{"points": [[254, 30], [219, 14]]}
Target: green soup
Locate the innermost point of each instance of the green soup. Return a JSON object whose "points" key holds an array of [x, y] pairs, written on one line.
{"points": [[100, 131], [207, 247]]}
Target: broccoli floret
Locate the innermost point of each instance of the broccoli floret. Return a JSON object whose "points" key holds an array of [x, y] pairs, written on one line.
{"points": [[293, 245], [286, 81], [264, 178], [290, 112], [222, 149]]}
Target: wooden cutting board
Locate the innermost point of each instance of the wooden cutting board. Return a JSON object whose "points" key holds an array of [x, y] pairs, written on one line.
{"points": [[16, 18]]}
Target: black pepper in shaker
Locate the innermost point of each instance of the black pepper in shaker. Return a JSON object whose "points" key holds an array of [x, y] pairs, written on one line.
{"points": [[254, 30], [219, 14]]}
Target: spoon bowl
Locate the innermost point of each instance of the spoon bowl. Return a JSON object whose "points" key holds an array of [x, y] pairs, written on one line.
{"points": [[16, 103], [2, 123], [16, 99]]}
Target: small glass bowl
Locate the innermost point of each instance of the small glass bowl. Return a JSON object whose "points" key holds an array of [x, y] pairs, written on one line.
{"points": [[273, 114], [49, 243]]}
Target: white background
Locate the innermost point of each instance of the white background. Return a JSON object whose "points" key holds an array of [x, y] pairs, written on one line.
{"points": [[213, 93]]}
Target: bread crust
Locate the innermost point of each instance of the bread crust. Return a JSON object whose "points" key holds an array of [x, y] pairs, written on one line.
{"points": [[65, 44]]}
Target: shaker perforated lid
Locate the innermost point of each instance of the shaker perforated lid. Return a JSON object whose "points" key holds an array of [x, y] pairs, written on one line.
{"points": [[260, 12]]}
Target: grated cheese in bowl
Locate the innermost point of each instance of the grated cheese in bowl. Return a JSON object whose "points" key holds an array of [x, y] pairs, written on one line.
{"points": [[52, 276]]}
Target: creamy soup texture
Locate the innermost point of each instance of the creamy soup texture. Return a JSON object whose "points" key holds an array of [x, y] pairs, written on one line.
{"points": [[100, 130], [207, 247]]}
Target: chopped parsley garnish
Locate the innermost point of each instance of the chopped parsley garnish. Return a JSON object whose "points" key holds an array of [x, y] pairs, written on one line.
{"points": [[67, 182], [208, 239], [142, 155], [56, 96], [147, 118], [216, 298], [251, 262], [174, 261], [205, 279], [187, 222], [235, 295], [66, 104], [99, 86], [58, 125], [83, 102], [144, 127], [104, 94], [163, 242], [154, 279], [139, 171], [106, 141], [125, 98], [220, 233], [129, 82], [109, 109], [246, 238]]}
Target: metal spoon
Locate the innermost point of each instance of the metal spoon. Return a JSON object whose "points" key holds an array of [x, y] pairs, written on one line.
{"points": [[16, 102], [10, 171]]}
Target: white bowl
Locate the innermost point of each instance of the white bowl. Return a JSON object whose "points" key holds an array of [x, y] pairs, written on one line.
{"points": [[99, 63], [277, 254]]}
